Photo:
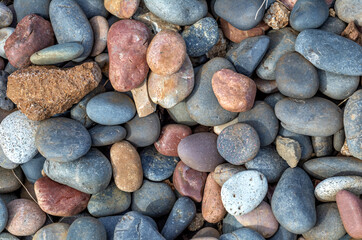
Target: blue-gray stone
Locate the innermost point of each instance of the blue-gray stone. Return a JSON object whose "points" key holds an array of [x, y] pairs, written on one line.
{"points": [[7, 236], [269, 163], [281, 42], [296, 77], [153, 199], [330, 52], [8, 197], [346, 237], [33, 168], [4, 215], [230, 224], [111, 108], [333, 25], [86, 228], [308, 14], [240, 13], [179, 114], [5, 161], [10, 68], [89, 174], [304, 142], [273, 98], [262, 118], [182, 13], [338, 140], [57, 53], [5, 102], [62, 139], [182, 214], [157, 167], [247, 55], [110, 223], [293, 202], [201, 36], [8, 182], [26, 7], [283, 234], [134, 225], [65, 16], [353, 124], [323, 146], [313, 117], [142, 132], [242, 234], [106, 135], [93, 8], [202, 103]]}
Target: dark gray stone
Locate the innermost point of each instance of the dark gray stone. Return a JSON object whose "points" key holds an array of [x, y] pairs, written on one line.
{"points": [[283, 234], [4, 215], [338, 140], [33, 168], [242, 234], [110, 223], [5, 102], [304, 142], [333, 25], [179, 114], [230, 224], [5, 161], [8, 182], [86, 228], [106, 135], [57, 53], [93, 8], [323, 146], [8, 197], [273, 98], [26, 7], [10, 68]]}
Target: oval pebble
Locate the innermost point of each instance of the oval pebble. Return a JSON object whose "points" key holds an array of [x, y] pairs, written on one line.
{"points": [[4, 35], [225, 171], [86, 228], [6, 16], [106, 135], [57, 54], [212, 208], [349, 10], [8, 182], [100, 28], [54, 231]]}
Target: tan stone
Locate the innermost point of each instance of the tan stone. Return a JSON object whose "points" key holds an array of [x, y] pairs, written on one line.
{"points": [[100, 28], [54, 231], [144, 105], [219, 128], [345, 150], [266, 86], [277, 16], [351, 32], [213, 210], [289, 149], [224, 171], [157, 23], [122, 8]]}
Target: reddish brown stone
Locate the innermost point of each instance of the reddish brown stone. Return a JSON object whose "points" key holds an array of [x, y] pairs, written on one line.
{"points": [[350, 210], [171, 135], [166, 53], [32, 34], [58, 199], [212, 208], [48, 90], [2, 64], [266, 86], [122, 8], [100, 30], [234, 91], [289, 3], [352, 32], [189, 182]]}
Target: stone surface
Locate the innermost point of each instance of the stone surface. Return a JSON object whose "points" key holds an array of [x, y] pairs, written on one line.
{"points": [[196, 223], [57, 54], [207, 232], [225, 171], [289, 149], [54, 231], [219, 128], [127, 167], [93, 8], [33, 168], [349, 10], [4, 35], [304, 142], [5, 103], [323, 146], [180, 115], [237, 35], [338, 140], [156, 23], [100, 29], [230, 224], [110, 223], [122, 8], [242, 234], [26, 7], [47, 91], [106, 135], [352, 32], [8, 182], [5, 161], [3, 215], [86, 228], [6, 16], [142, 100], [213, 210], [219, 49], [334, 25], [277, 16], [8, 236], [283, 234]]}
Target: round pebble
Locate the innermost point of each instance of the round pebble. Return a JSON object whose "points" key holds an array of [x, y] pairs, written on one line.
{"points": [[100, 28], [33, 168], [122, 8], [348, 10], [6, 16], [106, 135]]}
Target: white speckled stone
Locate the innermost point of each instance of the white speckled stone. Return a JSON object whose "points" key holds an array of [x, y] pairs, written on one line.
{"points": [[17, 137], [327, 190], [243, 192]]}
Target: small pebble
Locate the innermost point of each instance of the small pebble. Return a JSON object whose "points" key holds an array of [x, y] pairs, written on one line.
{"points": [[289, 149], [225, 171], [100, 28], [106, 135], [54, 231], [57, 54], [4, 35], [122, 8], [6, 16]]}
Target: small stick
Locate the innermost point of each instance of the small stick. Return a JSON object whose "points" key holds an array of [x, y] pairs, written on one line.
{"points": [[257, 12]]}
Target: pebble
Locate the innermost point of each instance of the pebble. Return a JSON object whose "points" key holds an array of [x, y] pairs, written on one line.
{"points": [[196, 223], [181, 215], [243, 192], [236, 35], [238, 143], [93, 8], [156, 23], [289, 149], [25, 217], [110, 108], [338, 140], [7, 236], [349, 10], [3, 215], [62, 139], [212, 208], [293, 202], [54, 231], [26, 7], [283, 234], [57, 54], [86, 228], [100, 29], [199, 151], [277, 16], [122, 8], [218, 129], [219, 49], [330, 52], [225, 171], [207, 232], [67, 15], [304, 142], [79, 174], [6, 16], [179, 114], [33, 168], [5, 162], [110, 223], [181, 13], [230, 224], [153, 199], [235, 92], [4, 35], [201, 36], [323, 146], [106, 135], [127, 167], [353, 33], [333, 25], [144, 105], [242, 234]]}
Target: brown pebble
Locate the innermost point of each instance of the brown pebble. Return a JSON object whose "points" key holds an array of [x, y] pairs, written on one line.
{"points": [[266, 86], [30, 188], [127, 167], [122, 8], [100, 28], [142, 100], [351, 32], [207, 232], [213, 209], [196, 223], [224, 171]]}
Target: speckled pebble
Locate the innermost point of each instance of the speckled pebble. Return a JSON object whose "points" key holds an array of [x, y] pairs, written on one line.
{"points": [[3, 215]]}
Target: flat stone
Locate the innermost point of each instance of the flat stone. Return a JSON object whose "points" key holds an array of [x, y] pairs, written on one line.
{"points": [[289, 149], [100, 28], [225, 171], [57, 54], [32, 169], [333, 25], [93, 8], [106, 135], [6, 16], [55, 231], [242, 234], [308, 14], [143, 102], [122, 8], [212, 208], [180, 115], [4, 35], [349, 10], [3, 215], [323, 146], [236, 35], [26, 7], [86, 228]]}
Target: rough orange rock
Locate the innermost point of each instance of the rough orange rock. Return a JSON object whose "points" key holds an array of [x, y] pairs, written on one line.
{"points": [[48, 90], [277, 16], [213, 210], [122, 8]]}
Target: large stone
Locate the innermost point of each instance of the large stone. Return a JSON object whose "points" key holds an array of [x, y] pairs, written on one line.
{"points": [[349, 10], [57, 54], [54, 231]]}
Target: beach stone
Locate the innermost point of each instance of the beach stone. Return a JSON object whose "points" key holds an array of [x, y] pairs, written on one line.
{"points": [[273, 98], [181, 13], [330, 52], [17, 137], [289, 149], [134, 225], [350, 210], [199, 151], [86, 228], [293, 202], [313, 117], [25, 217], [213, 210], [3, 215], [58, 199], [219, 128], [353, 123], [6, 16], [243, 192], [106, 135], [110, 108], [92, 8], [338, 140], [122, 8], [202, 104], [180, 115], [142, 132], [236, 35], [304, 142], [283, 234], [100, 28], [79, 174], [54, 231], [353, 32], [153, 199], [238, 143], [308, 14], [219, 49], [281, 42], [5, 162], [127, 44], [262, 118], [323, 146], [327, 190], [142, 100], [62, 139], [225, 171], [235, 92], [33, 168], [169, 90], [196, 223], [230, 224], [47, 90], [110, 223], [57, 54], [349, 10], [206, 232], [277, 16], [333, 25], [5, 33], [127, 167], [242, 234], [181, 215], [67, 15], [7, 236], [156, 23], [329, 224], [247, 55], [189, 182], [26, 7]]}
